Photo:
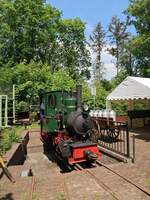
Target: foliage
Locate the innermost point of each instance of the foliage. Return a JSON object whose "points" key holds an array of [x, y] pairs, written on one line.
{"points": [[100, 101], [21, 106], [61, 80], [118, 37], [8, 137], [120, 108], [28, 30], [118, 79], [100, 98], [97, 44], [139, 105], [41, 51], [139, 10], [73, 52], [30, 79], [87, 97], [34, 30], [127, 61], [5, 80], [107, 85]]}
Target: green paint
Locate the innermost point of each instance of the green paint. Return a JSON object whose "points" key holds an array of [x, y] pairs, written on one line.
{"points": [[51, 110]]}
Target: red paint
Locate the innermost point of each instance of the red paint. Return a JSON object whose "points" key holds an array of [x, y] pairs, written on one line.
{"points": [[78, 154], [43, 136], [58, 138]]}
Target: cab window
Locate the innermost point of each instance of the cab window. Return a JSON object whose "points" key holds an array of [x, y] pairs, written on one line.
{"points": [[52, 100]]}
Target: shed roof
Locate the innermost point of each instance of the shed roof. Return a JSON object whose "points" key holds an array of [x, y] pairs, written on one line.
{"points": [[131, 88]]}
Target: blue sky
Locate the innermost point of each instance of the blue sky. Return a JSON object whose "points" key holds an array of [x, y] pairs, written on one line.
{"points": [[91, 12]]}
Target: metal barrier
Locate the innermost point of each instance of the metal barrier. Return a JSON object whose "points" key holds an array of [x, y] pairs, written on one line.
{"points": [[113, 135]]}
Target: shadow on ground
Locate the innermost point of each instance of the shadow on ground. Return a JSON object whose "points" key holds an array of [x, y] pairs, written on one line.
{"points": [[8, 196], [142, 133]]}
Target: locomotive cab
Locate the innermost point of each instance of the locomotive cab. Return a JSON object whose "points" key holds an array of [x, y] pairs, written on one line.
{"points": [[67, 127]]}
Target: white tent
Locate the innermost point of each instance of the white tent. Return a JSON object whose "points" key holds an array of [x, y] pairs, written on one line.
{"points": [[132, 88]]}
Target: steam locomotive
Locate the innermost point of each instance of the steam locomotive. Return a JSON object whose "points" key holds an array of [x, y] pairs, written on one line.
{"points": [[67, 127]]}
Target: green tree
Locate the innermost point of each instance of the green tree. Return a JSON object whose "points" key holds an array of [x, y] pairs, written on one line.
{"points": [[34, 30], [100, 99], [139, 11], [61, 80], [118, 38], [73, 52], [97, 44], [101, 94], [128, 61], [31, 78], [5, 80], [118, 79], [28, 31], [86, 95]]}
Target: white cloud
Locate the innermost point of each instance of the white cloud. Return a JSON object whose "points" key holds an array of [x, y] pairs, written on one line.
{"points": [[110, 70], [108, 61]]}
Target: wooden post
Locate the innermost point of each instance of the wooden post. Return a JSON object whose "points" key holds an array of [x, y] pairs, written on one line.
{"points": [[6, 111], [130, 107], [13, 97], [0, 110]]}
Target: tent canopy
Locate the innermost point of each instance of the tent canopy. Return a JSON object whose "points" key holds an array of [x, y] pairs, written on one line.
{"points": [[131, 88]]}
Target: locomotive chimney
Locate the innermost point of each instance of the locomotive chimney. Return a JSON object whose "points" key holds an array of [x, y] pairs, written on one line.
{"points": [[79, 95]]}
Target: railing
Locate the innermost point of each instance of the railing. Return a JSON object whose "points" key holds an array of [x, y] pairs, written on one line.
{"points": [[112, 135]]}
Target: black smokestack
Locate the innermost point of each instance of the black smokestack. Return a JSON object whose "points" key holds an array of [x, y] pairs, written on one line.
{"points": [[79, 95]]}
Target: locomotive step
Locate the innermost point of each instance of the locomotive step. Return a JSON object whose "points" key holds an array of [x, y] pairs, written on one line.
{"points": [[81, 144]]}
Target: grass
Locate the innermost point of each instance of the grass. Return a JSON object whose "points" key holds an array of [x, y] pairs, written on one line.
{"points": [[34, 126], [8, 136], [11, 135]]}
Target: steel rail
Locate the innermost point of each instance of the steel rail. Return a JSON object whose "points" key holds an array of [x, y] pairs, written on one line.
{"points": [[126, 179], [32, 188], [100, 183], [66, 190]]}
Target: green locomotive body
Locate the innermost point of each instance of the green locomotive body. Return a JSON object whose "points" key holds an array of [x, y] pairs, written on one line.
{"points": [[66, 126], [54, 105]]}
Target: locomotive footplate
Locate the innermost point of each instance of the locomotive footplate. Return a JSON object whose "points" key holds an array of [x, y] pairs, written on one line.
{"points": [[81, 152]]}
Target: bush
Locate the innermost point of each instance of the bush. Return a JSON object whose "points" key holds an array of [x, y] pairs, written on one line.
{"points": [[8, 137]]}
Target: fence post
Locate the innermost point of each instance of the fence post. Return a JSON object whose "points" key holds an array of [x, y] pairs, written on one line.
{"points": [[6, 111], [133, 143], [128, 142], [0, 111], [13, 97]]}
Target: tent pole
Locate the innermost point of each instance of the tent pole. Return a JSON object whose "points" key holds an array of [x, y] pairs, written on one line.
{"points": [[130, 105]]}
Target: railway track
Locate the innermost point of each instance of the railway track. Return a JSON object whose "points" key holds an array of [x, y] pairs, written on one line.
{"points": [[32, 189], [124, 178], [99, 182], [89, 173], [115, 195]]}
